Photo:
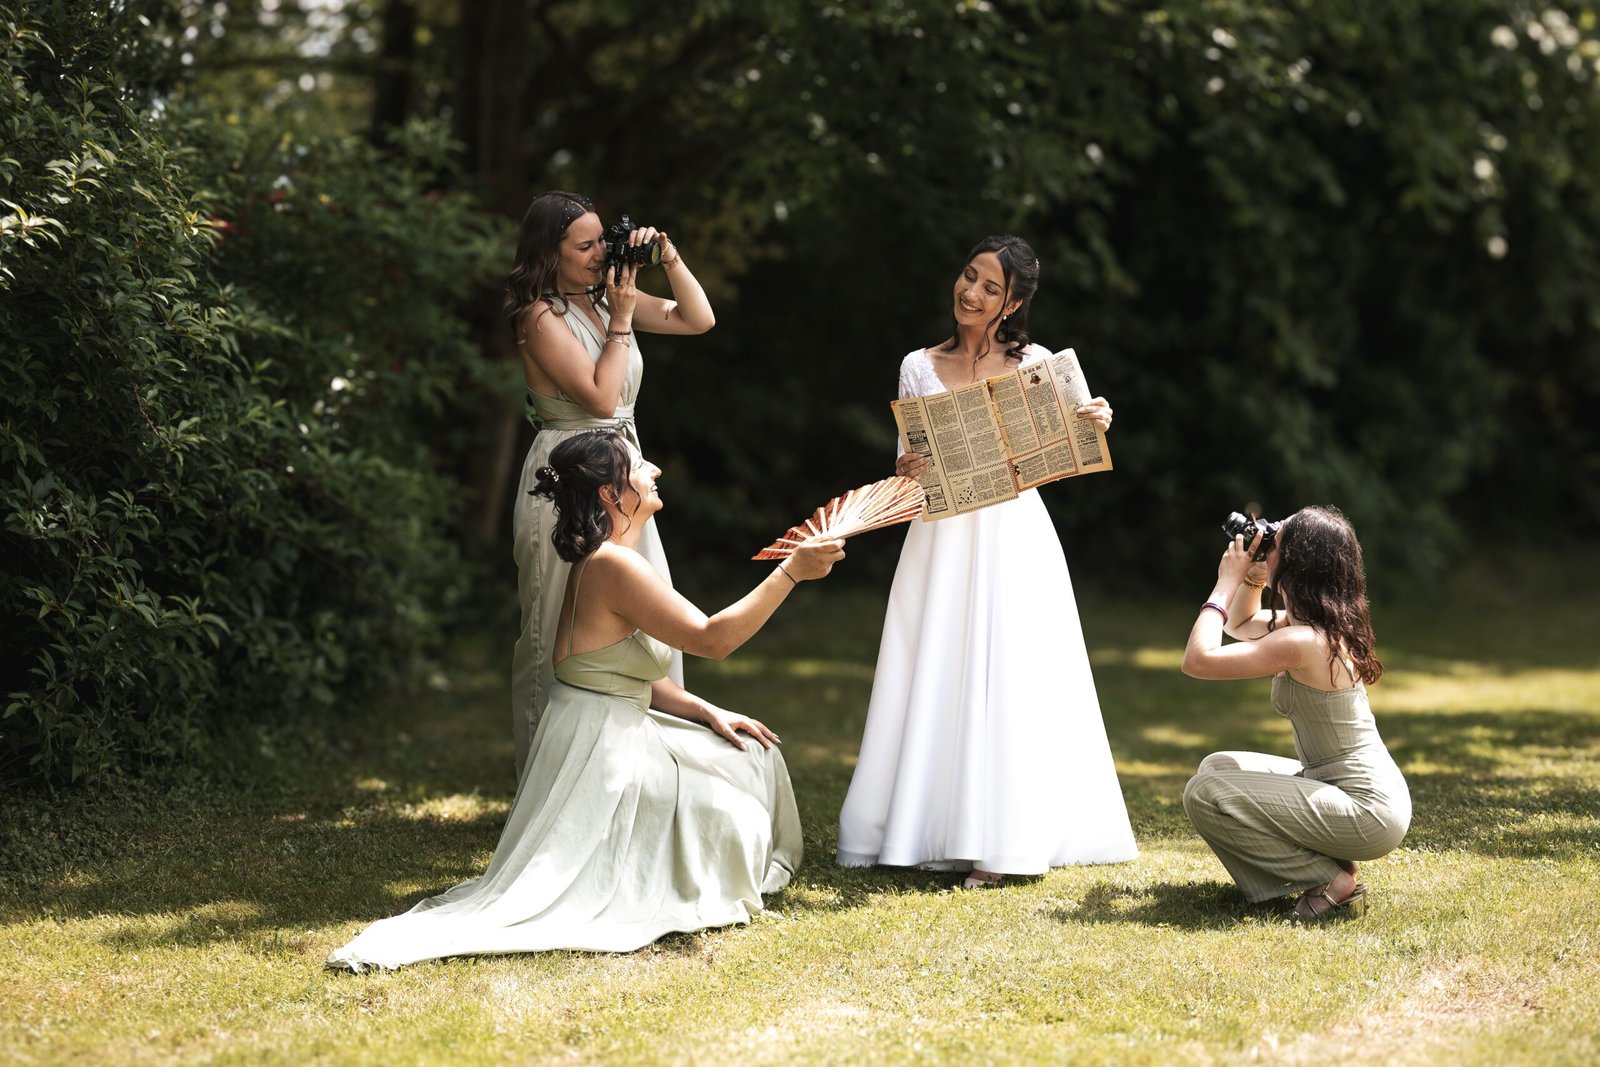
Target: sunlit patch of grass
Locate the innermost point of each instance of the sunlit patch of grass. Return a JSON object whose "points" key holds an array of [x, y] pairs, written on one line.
{"points": [[456, 807], [1164, 658], [1458, 684]]}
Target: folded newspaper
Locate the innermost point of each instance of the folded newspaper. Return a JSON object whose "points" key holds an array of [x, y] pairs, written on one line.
{"points": [[988, 441]]}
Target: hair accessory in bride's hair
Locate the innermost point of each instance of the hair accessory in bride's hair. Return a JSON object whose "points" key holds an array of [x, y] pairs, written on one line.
{"points": [[546, 479], [871, 507]]}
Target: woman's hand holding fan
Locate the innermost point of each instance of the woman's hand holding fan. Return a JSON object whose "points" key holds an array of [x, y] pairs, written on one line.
{"points": [[871, 507]]}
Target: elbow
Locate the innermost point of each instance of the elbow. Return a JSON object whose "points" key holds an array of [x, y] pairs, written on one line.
{"points": [[709, 646], [704, 323], [1193, 665], [600, 410]]}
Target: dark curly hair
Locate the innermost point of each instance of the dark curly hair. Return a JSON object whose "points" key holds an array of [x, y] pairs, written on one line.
{"points": [[544, 227], [1323, 582], [1019, 265], [579, 467]]}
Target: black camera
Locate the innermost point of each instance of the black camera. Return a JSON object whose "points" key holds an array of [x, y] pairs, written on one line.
{"points": [[619, 251], [1236, 524]]}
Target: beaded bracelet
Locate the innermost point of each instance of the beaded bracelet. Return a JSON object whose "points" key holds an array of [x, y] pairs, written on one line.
{"points": [[1254, 585], [1216, 608]]}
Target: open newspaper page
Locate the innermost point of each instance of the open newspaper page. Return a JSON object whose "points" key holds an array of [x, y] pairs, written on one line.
{"points": [[988, 441], [1036, 406], [968, 467]]}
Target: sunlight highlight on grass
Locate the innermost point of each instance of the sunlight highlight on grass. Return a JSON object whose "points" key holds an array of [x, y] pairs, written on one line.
{"points": [[1152, 658], [1168, 734], [1461, 684], [456, 807]]}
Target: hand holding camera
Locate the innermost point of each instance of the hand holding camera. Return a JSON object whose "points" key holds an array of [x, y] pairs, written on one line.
{"points": [[1250, 540], [628, 245], [1240, 525]]}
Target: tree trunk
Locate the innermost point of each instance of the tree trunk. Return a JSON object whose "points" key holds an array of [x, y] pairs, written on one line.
{"points": [[493, 77], [391, 91]]}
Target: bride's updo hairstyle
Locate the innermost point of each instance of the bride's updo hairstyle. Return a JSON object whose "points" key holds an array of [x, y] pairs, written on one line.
{"points": [[579, 468]]}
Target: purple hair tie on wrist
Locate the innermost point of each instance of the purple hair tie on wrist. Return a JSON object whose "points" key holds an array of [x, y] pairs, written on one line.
{"points": [[1218, 608]]}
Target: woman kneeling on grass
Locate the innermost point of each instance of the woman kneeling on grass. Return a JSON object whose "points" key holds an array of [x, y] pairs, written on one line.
{"points": [[1284, 825], [642, 810]]}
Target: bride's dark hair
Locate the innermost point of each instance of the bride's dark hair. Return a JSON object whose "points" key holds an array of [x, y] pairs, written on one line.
{"points": [[579, 468]]}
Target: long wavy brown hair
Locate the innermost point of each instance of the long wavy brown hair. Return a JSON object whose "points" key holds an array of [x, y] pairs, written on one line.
{"points": [[1323, 583], [544, 227]]}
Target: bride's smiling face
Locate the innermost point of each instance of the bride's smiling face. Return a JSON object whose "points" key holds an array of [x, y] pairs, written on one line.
{"points": [[582, 255], [980, 293]]}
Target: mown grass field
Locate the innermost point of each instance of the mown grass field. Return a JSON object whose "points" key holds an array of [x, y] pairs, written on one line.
{"points": [[190, 925]]}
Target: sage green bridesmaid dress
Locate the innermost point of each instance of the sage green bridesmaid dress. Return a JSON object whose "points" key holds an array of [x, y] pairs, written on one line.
{"points": [[628, 824], [541, 573]]}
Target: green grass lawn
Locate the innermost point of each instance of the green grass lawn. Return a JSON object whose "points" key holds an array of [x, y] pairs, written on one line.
{"points": [[190, 925]]}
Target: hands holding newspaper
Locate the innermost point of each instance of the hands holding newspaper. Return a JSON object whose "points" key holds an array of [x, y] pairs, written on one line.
{"points": [[1097, 411]]}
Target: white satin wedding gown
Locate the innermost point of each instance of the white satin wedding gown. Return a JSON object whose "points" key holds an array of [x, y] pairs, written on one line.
{"points": [[984, 745]]}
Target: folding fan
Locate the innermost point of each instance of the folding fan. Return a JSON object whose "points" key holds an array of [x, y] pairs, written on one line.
{"points": [[870, 507]]}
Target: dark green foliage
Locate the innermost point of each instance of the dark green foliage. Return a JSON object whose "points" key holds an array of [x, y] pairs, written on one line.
{"points": [[204, 530], [1313, 251]]}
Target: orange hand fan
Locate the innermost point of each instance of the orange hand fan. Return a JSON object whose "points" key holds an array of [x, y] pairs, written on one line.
{"points": [[870, 507]]}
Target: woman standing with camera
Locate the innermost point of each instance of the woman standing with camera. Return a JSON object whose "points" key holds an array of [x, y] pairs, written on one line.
{"points": [[984, 750], [1283, 825], [577, 325]]}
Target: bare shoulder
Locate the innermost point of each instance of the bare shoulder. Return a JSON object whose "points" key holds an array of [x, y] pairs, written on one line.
{"points": [[1307, 640], [614, 563], [539, 317]]}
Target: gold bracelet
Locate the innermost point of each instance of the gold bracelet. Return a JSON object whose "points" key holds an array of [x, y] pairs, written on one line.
{"points": [[1254, 585], [621, 337], [674, 262]]}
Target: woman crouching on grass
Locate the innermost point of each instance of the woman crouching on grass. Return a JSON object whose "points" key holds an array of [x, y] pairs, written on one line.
{"points": [[1282, 825]]}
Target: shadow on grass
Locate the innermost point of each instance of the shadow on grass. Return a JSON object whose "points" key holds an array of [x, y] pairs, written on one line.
{"points": [[1177, 905]]}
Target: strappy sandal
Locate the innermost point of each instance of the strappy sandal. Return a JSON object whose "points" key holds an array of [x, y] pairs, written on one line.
{"points": [[983, 880], [1349, 908]]}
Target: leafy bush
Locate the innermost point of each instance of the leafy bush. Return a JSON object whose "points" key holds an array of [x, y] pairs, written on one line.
{"points": [[218, 507]]}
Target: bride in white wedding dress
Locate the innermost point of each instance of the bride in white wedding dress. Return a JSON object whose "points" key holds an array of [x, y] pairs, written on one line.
{"points": [[984, 748]]}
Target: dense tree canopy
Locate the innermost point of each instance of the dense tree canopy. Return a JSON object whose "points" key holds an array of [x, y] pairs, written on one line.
{"points": [[258, 394]]}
